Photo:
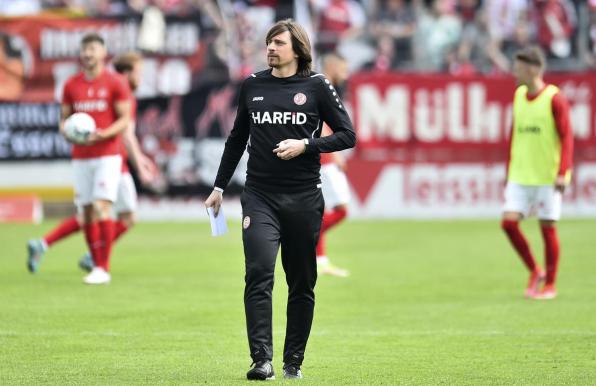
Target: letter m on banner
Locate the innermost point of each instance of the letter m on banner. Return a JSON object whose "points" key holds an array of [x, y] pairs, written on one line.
{"points": [[382, 117]]}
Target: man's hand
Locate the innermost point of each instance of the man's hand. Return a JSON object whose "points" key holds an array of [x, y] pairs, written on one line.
{"points": [[214, 201], [560, 184], [147, 170], [94, 137], [340, 161], [290, 148]]}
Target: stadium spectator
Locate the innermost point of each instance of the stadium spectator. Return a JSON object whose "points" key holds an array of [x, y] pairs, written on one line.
{"points": [[522, 38], [384, 59], [503, 16], [396, 19], [468, 10], [538, 168], [555, 22], [337, 20], [439, 31], [587, 33], [476, 52]]}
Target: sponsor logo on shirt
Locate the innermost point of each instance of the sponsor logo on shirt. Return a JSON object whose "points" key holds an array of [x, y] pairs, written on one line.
{"points": [[530, 129], [259, 98], [91, 105], [278, 117]]}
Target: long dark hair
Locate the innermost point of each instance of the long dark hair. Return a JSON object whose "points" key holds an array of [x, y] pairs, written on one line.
{"points": [[300, 43]]}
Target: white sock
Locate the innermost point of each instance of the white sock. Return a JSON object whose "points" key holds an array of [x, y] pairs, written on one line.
{"points": [[323, 260]]}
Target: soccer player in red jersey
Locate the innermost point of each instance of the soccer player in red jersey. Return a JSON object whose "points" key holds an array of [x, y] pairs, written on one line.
{"points": [[336, 190], [539, 167], [130, 66], [97, 163]]}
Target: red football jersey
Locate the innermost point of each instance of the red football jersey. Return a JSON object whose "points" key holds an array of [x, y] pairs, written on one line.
{"points": [[97, 97], [133, 115]]}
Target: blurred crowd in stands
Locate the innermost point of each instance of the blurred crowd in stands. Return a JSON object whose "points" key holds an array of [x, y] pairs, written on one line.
{"points": [[460, 37]]}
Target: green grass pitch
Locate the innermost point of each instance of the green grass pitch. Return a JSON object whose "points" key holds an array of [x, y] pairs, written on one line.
{"points": [[428, 302]]}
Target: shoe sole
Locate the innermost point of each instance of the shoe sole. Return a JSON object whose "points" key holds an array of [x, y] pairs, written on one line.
{"points": [[259, 378], [549, 297]]}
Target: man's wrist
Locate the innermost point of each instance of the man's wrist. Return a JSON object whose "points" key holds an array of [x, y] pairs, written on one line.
{"points": [[306, 142], [218, 189]]}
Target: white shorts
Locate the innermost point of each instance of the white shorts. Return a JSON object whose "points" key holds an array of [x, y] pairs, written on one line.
{"points": [[127, 195], [96, 179], [542, 201], [336, 190]]}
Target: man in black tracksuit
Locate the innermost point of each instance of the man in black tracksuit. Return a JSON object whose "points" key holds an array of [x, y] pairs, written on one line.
{"points": [[280, 115]]}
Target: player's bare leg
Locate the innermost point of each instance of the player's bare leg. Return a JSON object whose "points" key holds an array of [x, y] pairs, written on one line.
{"points": [[510, 225]]}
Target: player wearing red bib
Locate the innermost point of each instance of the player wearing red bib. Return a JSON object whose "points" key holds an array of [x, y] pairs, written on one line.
{"points": [[539, 167]]}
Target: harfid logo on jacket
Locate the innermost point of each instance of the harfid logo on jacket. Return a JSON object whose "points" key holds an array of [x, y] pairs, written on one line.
{"points": [[278, 117]]}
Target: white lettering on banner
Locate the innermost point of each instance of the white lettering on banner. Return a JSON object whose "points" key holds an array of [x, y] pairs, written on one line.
{"points": [[383, 119], [580, 120], [586, 187], [438, 114], [31, 144], [453, 185], [181, 39], [174, 77], [457, 191], [579, 97], [484, 119], [429, 116], [29, 115], [278, 117]]}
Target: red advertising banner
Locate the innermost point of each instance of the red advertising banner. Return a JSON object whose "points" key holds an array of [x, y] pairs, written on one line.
{"points": [[440, 118], [38, 54]]}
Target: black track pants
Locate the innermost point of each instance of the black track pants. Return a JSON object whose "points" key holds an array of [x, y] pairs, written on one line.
{"points": [[292, 220]]}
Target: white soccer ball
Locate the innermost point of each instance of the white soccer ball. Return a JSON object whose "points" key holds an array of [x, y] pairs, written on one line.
{"points": [[78, 126]]}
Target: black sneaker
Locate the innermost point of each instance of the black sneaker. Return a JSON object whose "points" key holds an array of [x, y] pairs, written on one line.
{"points": [[263, 371], [292, 372]]}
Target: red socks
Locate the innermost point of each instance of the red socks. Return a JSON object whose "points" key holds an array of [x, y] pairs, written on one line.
{"points": [[99, 236], [321, 245], [332, 217], [519, 243], [551, 252], [93, 241], [119, 229], [106, 235], [62, 230]]}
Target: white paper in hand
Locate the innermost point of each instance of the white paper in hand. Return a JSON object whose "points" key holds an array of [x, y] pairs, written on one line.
{"points": [[218, 224]]}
